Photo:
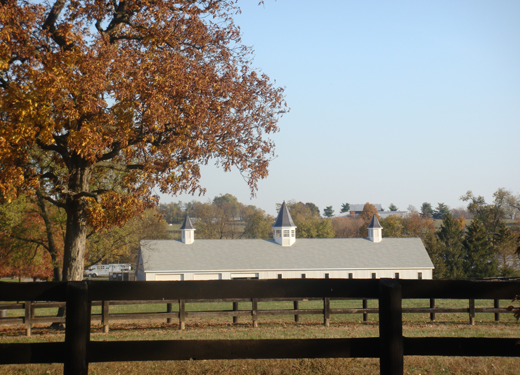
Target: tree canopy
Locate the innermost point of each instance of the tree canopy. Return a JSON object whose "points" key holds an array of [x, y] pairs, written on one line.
{"points": [[104, 100]]}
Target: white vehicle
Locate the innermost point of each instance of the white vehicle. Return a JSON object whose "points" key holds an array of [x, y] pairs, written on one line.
{"points": [[98, 270]]}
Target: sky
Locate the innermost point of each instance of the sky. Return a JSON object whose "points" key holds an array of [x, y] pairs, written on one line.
{"points": [[398, 102]]}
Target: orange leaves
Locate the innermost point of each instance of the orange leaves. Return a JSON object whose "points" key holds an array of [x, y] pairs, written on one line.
{"points": [[116, 209], [106, 104]]}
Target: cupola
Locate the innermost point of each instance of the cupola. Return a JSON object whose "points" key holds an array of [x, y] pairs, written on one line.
{"points": [[284, 230], [187, 231], [375, 230]]}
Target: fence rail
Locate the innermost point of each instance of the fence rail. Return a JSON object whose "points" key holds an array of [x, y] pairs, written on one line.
{"points": [[31, 318], [78, 351]]}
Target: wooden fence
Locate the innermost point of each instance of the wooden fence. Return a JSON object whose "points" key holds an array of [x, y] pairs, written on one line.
{"points": [[78, 350], [30, 318]]}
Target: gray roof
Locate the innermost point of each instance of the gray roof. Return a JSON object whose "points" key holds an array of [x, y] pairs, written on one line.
{"points": [[306, 253], [187, 224], [284, 218], [374, 223], [359, 207]]}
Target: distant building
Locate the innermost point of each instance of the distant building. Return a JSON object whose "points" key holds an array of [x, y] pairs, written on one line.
{"points": [[284, 256], [357, 209]]}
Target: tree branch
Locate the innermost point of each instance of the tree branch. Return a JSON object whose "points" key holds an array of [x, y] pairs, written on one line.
{"points": [[54, 202], [118, 166], [50, 22]]}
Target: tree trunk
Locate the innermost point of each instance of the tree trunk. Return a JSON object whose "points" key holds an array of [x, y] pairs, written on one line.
{"points": [[52, 248], [76, 229]]}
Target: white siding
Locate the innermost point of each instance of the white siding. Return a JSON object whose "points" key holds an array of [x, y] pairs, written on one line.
{"points": [[293, 274], [169, 277], [207, 276]]}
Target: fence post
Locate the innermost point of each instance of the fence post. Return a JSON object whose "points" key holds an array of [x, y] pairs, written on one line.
{"points": [[254, 312], [296, 307], [182, 314], [29, 313], [432, 306], [77, 328], [391, 327], [365, 306], [326, 311], [105, 315], [496, 305], [472, 312], [235, 308], [169, 311]]}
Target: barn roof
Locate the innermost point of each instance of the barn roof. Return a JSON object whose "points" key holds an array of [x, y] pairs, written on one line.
{"points": [[258, 255]]}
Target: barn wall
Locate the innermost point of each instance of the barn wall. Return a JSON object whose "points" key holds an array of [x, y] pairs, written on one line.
{"points": [[335, 274]]}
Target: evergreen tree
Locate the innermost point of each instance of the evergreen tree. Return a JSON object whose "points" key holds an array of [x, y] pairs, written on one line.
{"points": [[441, 211], [433, 247], [426, 210], [328, 211], [451, 248], [393, 207], [345, 207], [481, 260]]}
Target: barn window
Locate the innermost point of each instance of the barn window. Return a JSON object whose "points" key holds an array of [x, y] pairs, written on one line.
{"points": [[303, 276], [286, 233], [293, 234], [279, 276], [419, 275], [350, 276], [397, 275], [373, 275], [277, 233], [326, 275]]}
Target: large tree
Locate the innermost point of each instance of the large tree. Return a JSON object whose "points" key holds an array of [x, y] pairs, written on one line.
{"points": [[103, 100]]}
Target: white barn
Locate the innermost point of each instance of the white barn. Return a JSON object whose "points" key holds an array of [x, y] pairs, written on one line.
{"points": [[284, 256]]}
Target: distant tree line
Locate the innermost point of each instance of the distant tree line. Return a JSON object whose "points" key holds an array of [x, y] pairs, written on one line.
{"points": [[479, 240]]}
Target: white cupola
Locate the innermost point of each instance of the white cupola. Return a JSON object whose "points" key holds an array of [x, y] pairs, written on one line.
{"points": [[284, 230], [375, 230], [187, 231]]}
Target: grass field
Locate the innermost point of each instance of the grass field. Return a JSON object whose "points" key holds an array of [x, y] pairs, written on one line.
{"points": [[283, 327]]}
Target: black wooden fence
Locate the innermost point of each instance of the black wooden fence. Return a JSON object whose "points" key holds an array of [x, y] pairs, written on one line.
{"points": [[106, 315], [78, 351]]}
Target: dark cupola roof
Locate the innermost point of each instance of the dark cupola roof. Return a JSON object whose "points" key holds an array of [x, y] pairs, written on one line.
{"points": [[284, 218], [187, 224], [374, 223]]}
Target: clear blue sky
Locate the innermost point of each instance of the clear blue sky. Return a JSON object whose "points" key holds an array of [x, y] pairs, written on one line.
{"points": [[391, 102]]}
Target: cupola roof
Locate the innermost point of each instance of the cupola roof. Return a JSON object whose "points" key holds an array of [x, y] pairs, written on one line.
{"points": [[374, 223], [284, 218], [187, 224]]}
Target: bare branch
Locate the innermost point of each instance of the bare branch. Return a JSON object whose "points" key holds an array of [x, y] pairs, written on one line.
{"points": [[54, 202]]}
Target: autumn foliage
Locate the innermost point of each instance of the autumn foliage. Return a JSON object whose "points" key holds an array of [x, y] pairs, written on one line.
{"points": [[104, 100]]}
